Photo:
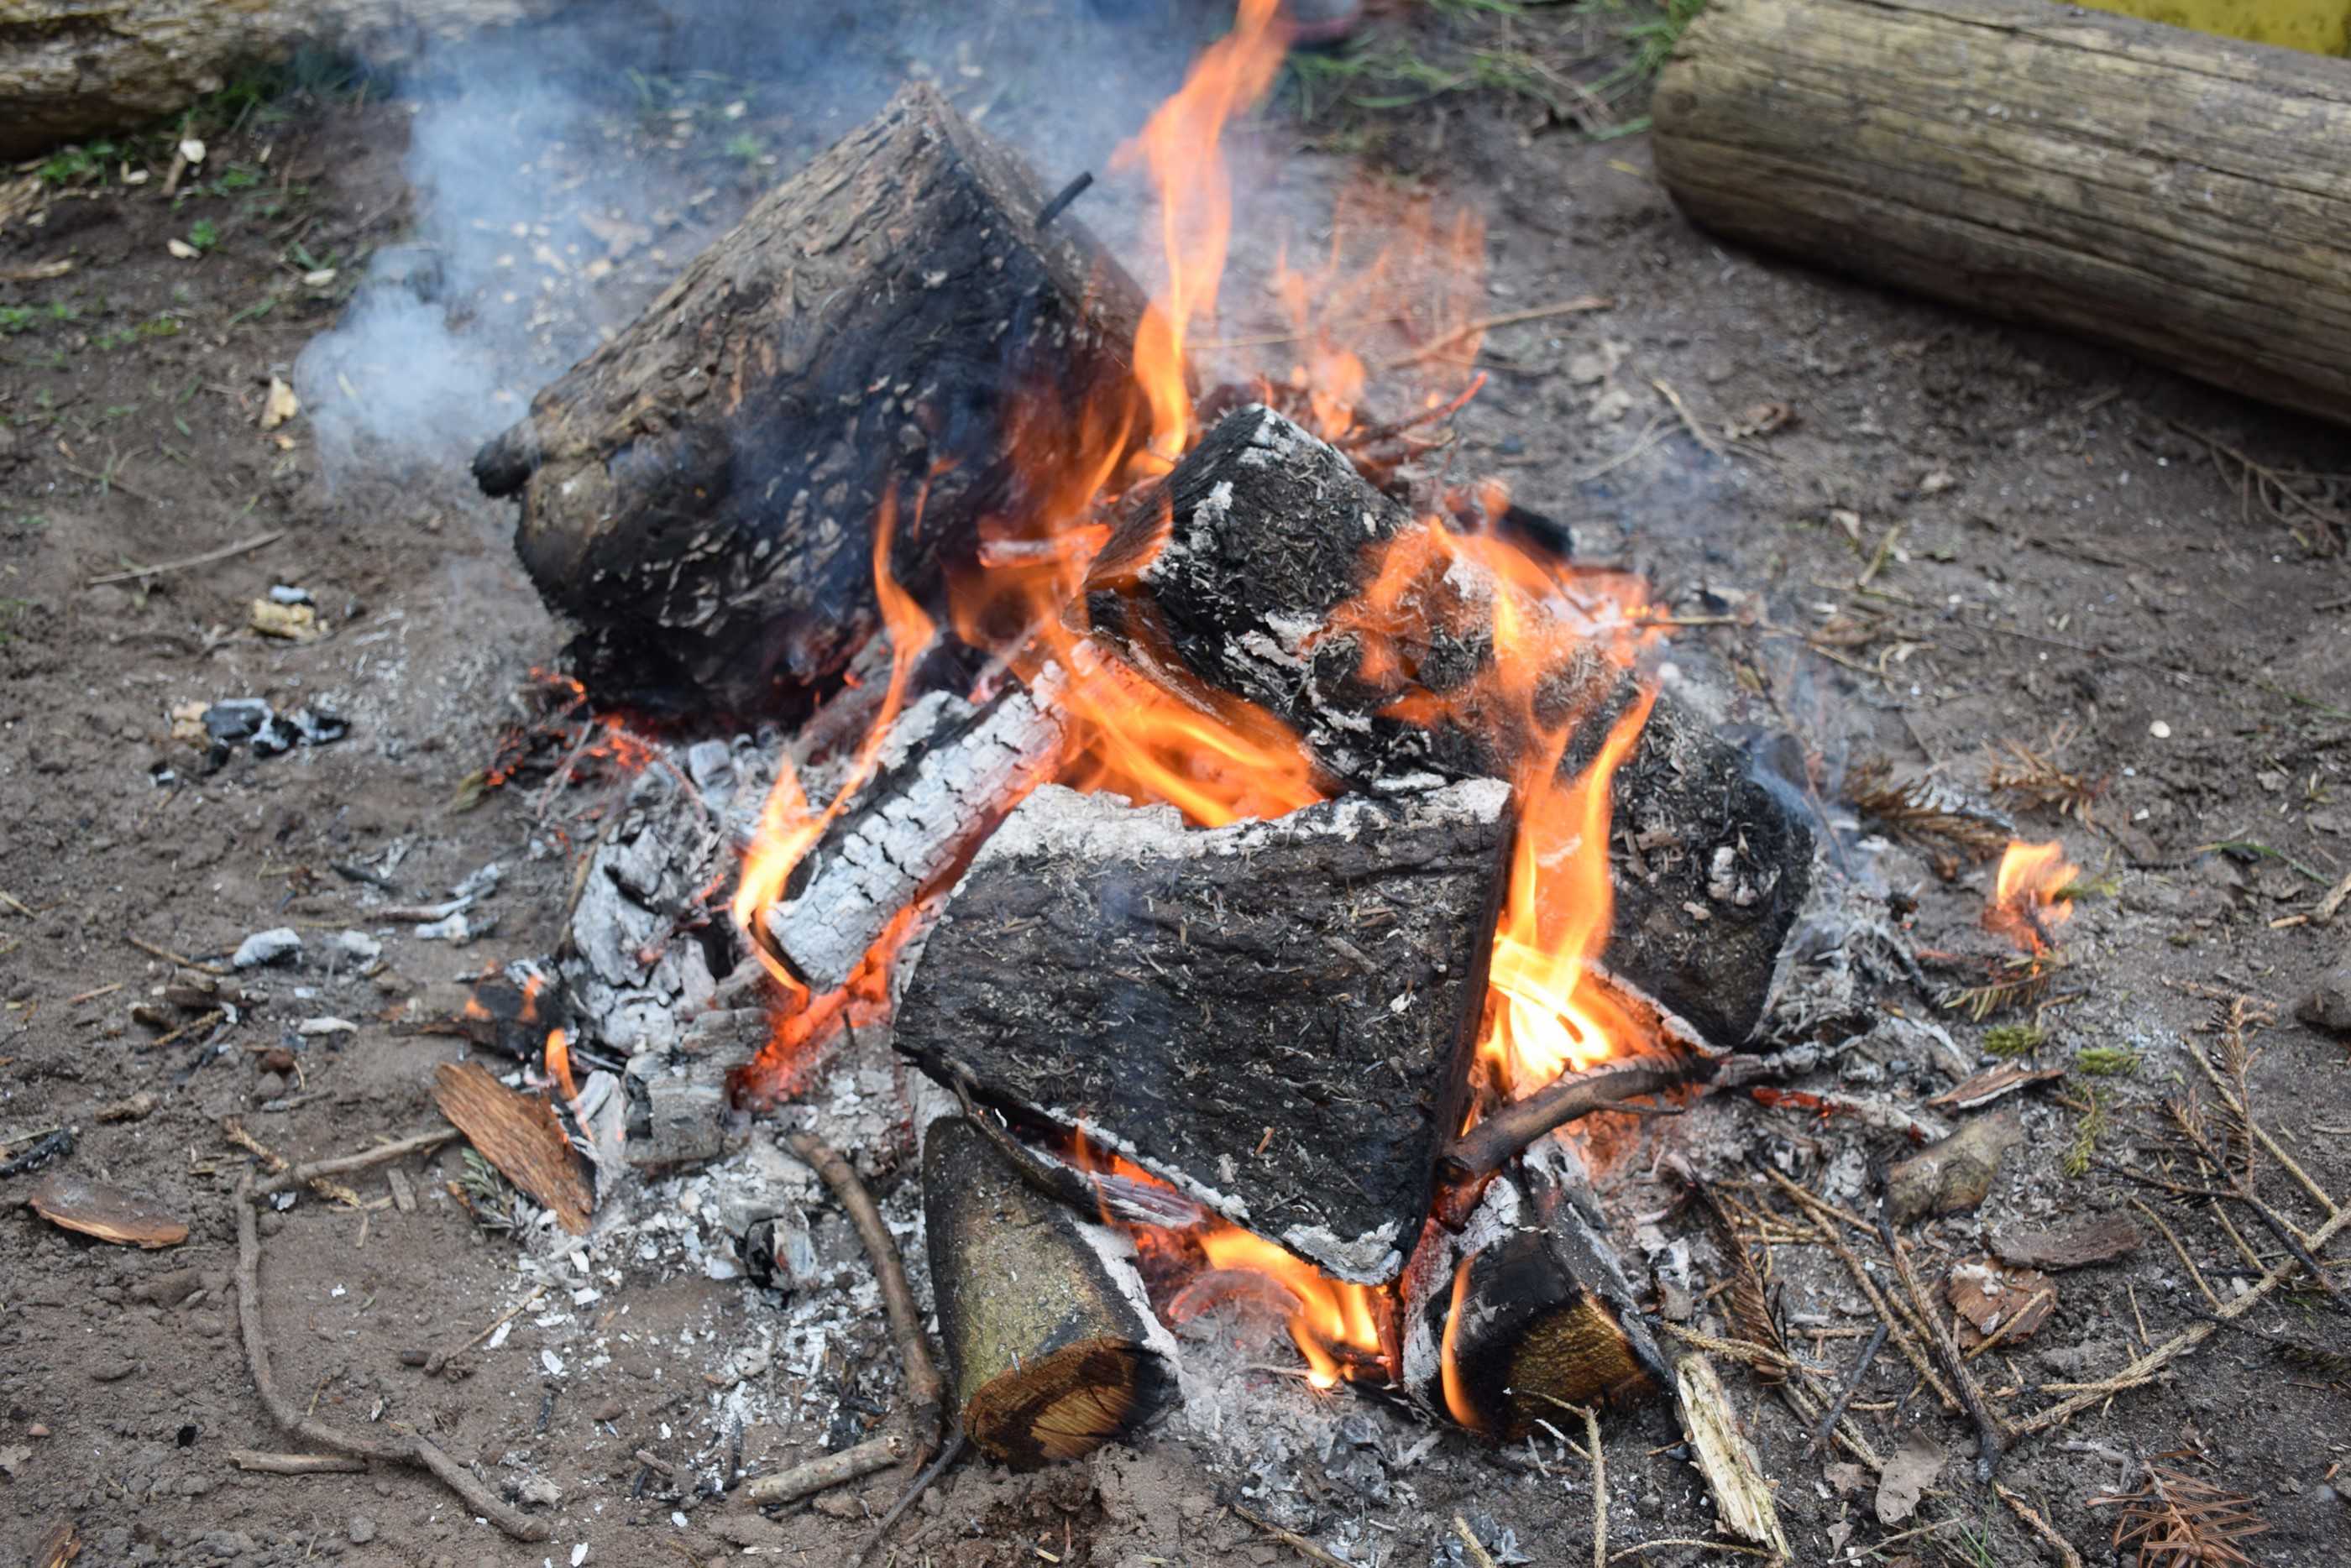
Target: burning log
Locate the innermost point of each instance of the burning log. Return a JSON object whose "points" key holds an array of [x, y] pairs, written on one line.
{"points": [[1047, 1324], [2013, 160], [700, 493], [1276, 1017], [1234, 574], [1527, 1308], [959, 769]]}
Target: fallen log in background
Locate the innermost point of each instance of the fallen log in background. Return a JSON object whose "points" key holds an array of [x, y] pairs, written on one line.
{"points": [[1047, 1325], [71, 68], [1277, 1018], [1532, 1302], [700, 494], [2185, 197], [1270, 535]]}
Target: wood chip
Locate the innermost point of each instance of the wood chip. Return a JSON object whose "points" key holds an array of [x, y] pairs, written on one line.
{"points": [[518, 1134], [1742, 1498], [59, 1547], [109, 1213], [1993, 1299], [1985, 1087], [2101, 1240]]}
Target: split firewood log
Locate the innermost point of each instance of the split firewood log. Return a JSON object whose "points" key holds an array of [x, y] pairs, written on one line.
{"points": [[1277, 1018], [79, 67], [2032, 161], [1530, 1304], [701, 493], [1229, 574], [1053, 1344]]}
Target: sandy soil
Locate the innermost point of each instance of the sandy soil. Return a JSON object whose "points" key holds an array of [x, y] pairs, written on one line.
{"points": [[1997, 535]]}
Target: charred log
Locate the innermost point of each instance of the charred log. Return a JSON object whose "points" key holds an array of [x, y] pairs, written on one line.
{"points": [[701, 493], [1528, 1303], [1233, 573], [1277, 1018], [950, 772], [1047, 1324]]}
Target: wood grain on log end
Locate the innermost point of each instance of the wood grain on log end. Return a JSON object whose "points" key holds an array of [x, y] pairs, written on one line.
{"points": [[518, 1134]]}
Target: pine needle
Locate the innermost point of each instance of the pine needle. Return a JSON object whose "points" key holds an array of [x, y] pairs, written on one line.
{"points": [[1927, 812], [2179, 1522]]}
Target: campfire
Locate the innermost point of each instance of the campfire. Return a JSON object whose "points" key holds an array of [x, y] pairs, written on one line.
{"points": [[1263, 841]]}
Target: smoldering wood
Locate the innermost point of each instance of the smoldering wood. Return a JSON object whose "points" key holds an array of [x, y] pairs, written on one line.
{"points": [[956, 770], [1230, 574], [701, 493], [1276, 1018], [1047, 1325], [2025, 161], [1533, 1300]]}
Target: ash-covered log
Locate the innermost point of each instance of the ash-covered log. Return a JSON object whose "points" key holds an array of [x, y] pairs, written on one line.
{"points": [[1233, 573], [949, 773], [1047, 1326], [1528, 1303], [700, 493], [1277, 1018]]}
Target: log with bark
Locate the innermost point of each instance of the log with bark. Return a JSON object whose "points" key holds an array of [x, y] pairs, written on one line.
{"points": [[700, 495], [1530, 1304], [2185, 197], [80, 67], [1277, 1018], [1047, 1324], [1233, 575]]}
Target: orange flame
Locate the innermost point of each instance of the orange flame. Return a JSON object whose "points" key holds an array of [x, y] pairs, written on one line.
{"points": [[2027, 907], [559, 1064], [1456, 1397]]}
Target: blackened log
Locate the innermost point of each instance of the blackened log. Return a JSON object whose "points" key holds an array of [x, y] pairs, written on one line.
{"points": [[1232, 574], [1277, 1018], [1530, 1303], [700, 493], [1047, 1324], [950, 772]]}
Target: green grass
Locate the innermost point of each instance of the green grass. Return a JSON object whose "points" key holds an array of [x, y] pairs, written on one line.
{"points": [[1654, 38], [2009, 1040], [145, 331], [84, 164], [746, 148], [10, 609], [204, 233], [2106, 1060]]}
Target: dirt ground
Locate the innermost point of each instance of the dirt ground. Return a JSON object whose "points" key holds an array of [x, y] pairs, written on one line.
{"points": [[1964, 535]]}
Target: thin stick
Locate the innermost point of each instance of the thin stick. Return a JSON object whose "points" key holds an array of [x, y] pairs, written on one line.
{"points": [[1851, 1385], [1691, 1540], [2040, 1527], [1939, 1337], [192, 1026], [382, 1154], [2187, 1339], [2009, 1325], [168, 956], [831, 1471], [925, 1388], [2178, 1250], [2242, 1191], [1860, 1273], [415, 1448], [948, 1453], [1439, 345], [1292, 1539], [295, 1464], [225, 552], [1478, 1555], [1697, 432], [1370, 435], [2244, 1113], [1494, 1142], [93, 995]]}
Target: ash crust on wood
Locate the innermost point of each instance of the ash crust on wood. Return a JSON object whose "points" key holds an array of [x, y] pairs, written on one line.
{"points": [[701, 493], [1228, 575], [1277, 1018]]}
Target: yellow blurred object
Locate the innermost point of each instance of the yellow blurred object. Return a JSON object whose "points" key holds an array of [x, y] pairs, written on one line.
{"points": [[2318, 27]]}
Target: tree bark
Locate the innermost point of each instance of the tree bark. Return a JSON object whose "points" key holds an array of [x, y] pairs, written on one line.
{"points": [[701, 493], [2187, 198], [1048, 1327], [1277, 1018], [1232, 574], [1530, 1304], [72, 68]]}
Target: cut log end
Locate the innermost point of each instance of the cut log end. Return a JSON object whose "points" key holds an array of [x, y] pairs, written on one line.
{"points": [[1065, 1405]]}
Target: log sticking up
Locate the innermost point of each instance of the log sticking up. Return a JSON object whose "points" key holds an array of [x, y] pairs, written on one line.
{"points": [[701, 493], [1529, 1304], [1054, 1348], [1230, 574], [958, 770], [1276, 1017]]}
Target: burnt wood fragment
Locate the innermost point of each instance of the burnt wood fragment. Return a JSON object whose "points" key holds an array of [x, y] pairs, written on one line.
{"points": [[1048, 1328], [1531, 1301], [1233, 573], [700, 494], [1276, 1017]]}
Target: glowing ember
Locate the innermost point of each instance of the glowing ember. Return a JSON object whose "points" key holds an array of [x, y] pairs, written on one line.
{"points": [[2027, 904], [559, 1064], [1456, 1398]]}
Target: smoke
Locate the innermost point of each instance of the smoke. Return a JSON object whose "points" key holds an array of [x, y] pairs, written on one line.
{"points": [[563, 174]]}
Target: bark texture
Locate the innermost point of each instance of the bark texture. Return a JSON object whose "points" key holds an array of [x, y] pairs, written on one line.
{"points": [[1235, 575], [2185, 197], [1277, 1018], [72, 68], [700, 495], [1046, 1321]]}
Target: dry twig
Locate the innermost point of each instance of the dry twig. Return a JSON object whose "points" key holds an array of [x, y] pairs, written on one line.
{"points": [[2183, 1521], [1939, 1335]]}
